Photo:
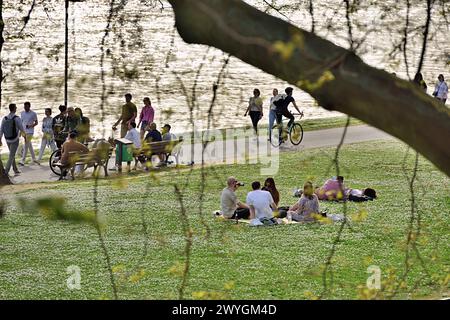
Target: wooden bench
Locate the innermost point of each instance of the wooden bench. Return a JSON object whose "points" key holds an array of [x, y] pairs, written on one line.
{"points": [[165, 148], [98, 157]]}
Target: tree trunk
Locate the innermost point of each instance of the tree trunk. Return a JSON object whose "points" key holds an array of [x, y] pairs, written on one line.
{"points": [[4, 179], [337, 78]]}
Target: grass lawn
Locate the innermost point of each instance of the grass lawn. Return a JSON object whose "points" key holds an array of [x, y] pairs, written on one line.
{"points": [[235, 261]]}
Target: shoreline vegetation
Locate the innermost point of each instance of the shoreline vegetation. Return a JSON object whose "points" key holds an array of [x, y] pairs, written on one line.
{"points": [[147, 265]]}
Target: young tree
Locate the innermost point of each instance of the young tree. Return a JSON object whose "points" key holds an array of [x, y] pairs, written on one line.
{"points": [[4, 179]]}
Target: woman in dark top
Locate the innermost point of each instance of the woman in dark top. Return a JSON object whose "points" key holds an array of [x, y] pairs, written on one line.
{"points": [[269, 185], [418, 79]]}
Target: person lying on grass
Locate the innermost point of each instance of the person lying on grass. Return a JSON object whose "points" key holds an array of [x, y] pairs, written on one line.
{"points": [[335, 190], [307, 206], [261, 205], [332, 190], [231, 208], [357, 195]]}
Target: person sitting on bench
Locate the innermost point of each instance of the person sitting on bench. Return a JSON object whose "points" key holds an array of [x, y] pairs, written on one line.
{"points": [[166, 134], [70, 146], [134, 136], [153, 134], [231, 207]]}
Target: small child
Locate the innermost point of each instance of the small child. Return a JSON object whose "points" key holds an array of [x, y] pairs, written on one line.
{"points": [[47, 133]]}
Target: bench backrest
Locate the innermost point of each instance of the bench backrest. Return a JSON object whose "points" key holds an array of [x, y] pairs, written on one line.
{"points": [[101, 151], [163, 146]]}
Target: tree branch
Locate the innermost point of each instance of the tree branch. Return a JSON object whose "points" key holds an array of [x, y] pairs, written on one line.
{"points": [[352, 87]]}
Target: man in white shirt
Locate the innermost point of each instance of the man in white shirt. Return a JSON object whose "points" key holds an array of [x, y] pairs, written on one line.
{"points": [[134, 135], [261, 203], [441, 90], [29, 121], [11, 127], [166, 134], [231, 207]]}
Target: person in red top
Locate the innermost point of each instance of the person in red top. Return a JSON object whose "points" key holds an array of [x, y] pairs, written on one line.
{"points": [[146, 117]]}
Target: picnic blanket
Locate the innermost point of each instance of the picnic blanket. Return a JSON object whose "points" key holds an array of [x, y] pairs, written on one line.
{"points": [[253, 222], [330, 218]]}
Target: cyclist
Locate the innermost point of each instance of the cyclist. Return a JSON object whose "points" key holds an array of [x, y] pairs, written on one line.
{"points": [[282, 108]]}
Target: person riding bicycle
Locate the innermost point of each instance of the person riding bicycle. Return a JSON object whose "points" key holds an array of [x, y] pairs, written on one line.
{"points": [[282, 108]]}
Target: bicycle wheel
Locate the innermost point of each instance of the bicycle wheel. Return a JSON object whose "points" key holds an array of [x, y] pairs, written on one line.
{"points": [[296, 134], [54, 158], [275, 137]]}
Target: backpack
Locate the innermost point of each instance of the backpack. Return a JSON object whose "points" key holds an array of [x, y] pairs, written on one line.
{"points": [[9, 128]]}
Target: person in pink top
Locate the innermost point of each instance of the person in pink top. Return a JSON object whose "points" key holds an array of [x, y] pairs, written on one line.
{"points": [[147, 116], [331, 189]]}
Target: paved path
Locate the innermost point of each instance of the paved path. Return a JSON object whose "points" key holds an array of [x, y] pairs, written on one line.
{"points": [[237, 150]]}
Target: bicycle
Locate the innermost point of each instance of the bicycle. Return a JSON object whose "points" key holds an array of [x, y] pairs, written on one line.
{"points": [[295, 133], [55, 157]]}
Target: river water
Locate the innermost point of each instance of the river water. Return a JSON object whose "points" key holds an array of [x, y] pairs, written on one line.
{"points": [[145, 56]]}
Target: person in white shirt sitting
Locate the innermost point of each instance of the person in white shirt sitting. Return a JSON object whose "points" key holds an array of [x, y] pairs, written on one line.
{"points": [[166, 134], [261, 204], [134, 136]]}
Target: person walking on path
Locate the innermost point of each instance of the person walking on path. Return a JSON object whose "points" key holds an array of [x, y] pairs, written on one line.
{"points": [[47, 133], [11, 127], [146, 117], [255, 109], [273, 111], [129, 114], [441, 89], [29, 121]]}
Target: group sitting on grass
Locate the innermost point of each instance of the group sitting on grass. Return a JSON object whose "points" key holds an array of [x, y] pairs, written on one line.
{"points": [[262, 204]]}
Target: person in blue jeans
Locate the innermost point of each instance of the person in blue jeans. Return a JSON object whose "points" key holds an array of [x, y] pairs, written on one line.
{"points": [[11, 127], [273, 111]]}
